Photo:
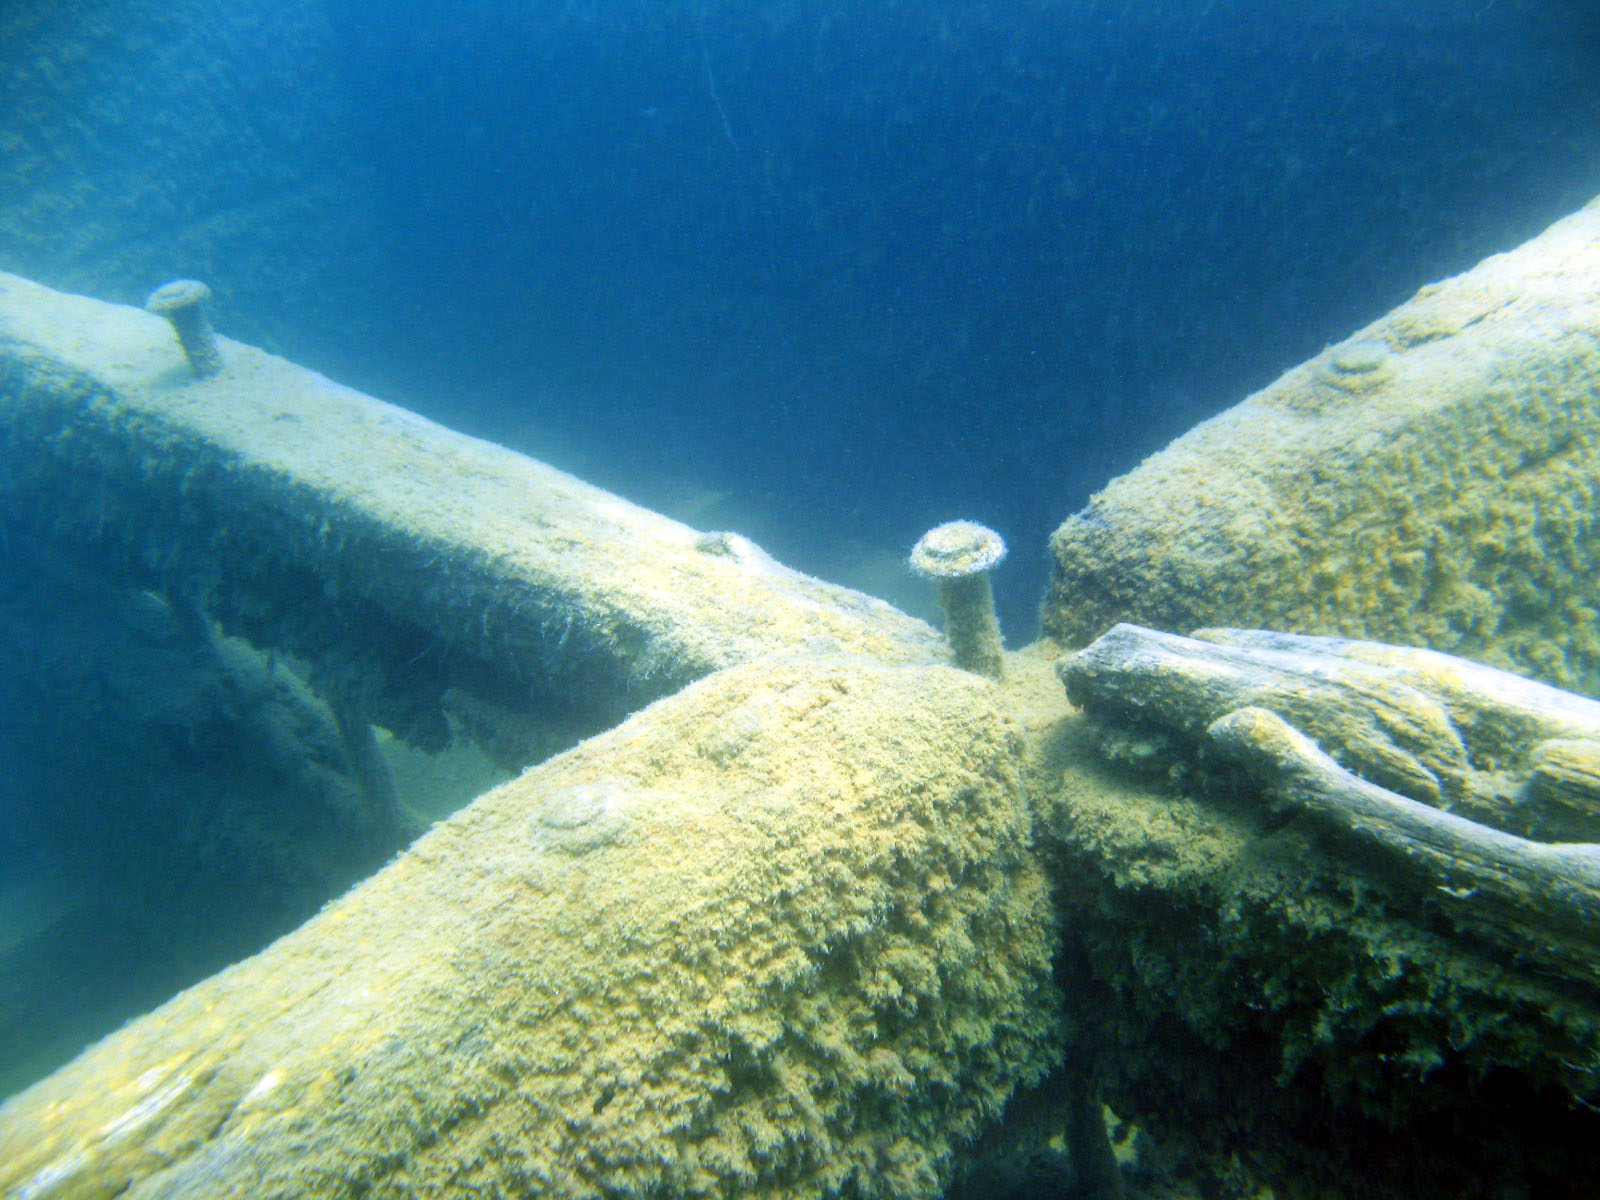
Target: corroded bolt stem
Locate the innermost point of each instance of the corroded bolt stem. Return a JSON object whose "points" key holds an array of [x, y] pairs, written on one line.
{"points": [[957, 557], [183, 303]]}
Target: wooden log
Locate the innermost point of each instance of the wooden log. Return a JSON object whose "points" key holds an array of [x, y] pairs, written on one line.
{"points": [[1434, 480], [1436, 728], [1556, 885], [1566, 786], [780, 934], [1365, 714], [1499, 712], [1344, 731], [401, 560], [1539, 745], [1355, 992]]}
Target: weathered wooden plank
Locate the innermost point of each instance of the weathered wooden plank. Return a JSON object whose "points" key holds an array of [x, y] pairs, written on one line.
{"points": [[781, 934], [1359, 987], [1490, 745], [1434, 480], [1551, 886], [405, 562]]}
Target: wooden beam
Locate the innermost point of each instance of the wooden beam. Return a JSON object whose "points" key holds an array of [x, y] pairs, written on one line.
{"points": [[403, 561]]}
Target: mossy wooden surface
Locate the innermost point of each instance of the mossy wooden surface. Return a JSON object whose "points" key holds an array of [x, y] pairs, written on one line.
{"points": [[404, 561], [1434, 480], [781, 934], [1260, 994]]}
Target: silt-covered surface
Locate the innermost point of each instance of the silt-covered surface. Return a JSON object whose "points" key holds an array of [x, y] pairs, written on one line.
{"points": [[1433, 480], [407, 563]]}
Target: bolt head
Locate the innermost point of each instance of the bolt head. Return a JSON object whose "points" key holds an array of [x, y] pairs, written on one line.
{"points": [[955, 549], [176, 296]]}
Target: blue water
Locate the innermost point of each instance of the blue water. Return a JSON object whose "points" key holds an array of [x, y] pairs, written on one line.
{"points": [[868, 266]]}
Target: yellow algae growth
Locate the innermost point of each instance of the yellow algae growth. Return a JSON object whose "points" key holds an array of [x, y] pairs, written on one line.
{"points": [[1432, 481], [780, 934]]}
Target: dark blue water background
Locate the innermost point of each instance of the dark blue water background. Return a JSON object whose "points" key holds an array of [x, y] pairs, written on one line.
{"points": [[866, 265]]}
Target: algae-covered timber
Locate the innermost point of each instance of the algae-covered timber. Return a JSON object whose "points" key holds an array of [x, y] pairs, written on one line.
{"points": [[780, 934], [822, 863], [410, 566], [1284, 967], [1434, 480]]}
